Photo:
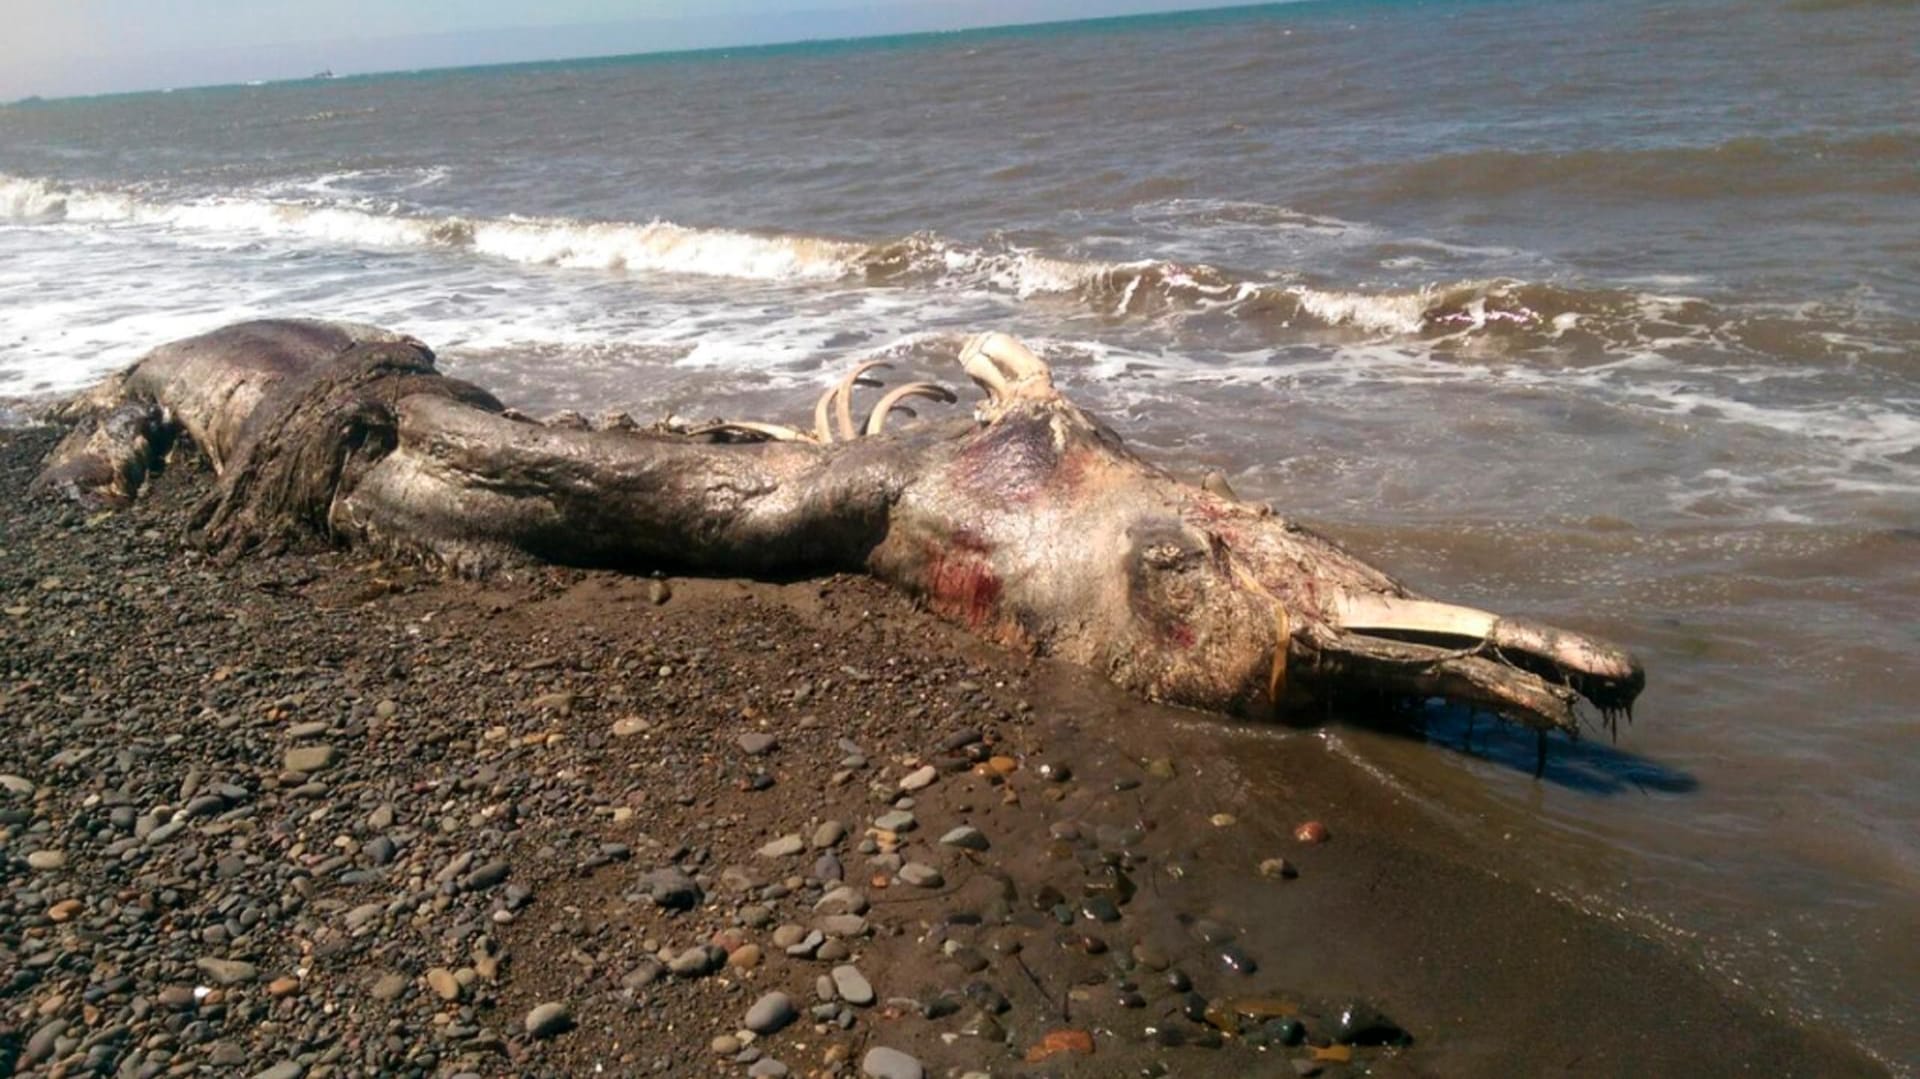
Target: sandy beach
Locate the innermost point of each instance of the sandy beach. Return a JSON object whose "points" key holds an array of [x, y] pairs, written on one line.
{"points": [[317, 815]]}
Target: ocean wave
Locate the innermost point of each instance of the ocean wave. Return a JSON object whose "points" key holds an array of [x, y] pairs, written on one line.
{"points": [[1580, 322]]}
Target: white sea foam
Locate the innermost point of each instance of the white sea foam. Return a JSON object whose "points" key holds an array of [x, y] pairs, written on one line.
{"points": [[655, 246]]}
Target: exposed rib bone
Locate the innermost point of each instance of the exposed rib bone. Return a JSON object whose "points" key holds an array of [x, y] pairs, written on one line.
{"points": [[843, 395], [932, 391], [822, 415]]}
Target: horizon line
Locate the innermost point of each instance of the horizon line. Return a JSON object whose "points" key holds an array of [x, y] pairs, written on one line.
{"points": [[1234, 7]]}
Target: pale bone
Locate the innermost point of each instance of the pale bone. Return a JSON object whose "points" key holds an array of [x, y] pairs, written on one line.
{"points": [[822, 415], [778, 432], [1372, 613], [877, 419], [843, 396]]}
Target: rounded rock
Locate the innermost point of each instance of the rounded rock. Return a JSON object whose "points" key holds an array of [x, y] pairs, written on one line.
{"points": [[884, 1063], [852, 986], [771, 1013], [546, 1020]]}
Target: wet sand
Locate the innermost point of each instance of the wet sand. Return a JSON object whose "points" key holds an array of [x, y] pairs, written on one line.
{"points": [[325, 815]]}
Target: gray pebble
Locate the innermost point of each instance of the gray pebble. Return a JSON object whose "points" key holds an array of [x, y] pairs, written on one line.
{"points": [[898, 821], [852, 986], [309, 758], [784, 847], [884, 1063], [546, 1020], [771, 1013], [228, 971], [966, 837], [921, 875]]}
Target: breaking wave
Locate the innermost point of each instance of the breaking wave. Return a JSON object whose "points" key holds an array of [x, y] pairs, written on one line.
{"points": [[1495, 312]]}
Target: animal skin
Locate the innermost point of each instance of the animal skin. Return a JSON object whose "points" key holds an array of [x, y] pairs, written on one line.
{"points": [[1030, 523]]}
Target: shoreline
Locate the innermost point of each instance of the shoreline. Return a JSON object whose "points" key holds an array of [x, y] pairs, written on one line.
{"points": [[516, 785]]}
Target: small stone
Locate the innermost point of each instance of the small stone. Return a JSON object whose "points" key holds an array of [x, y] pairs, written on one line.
{"points": [[486, 876], [659, 591], [1055, 772], [44, 1041], [380, 850], [228, 971], [1312, 832], [692, 963], [1278, 868], [970, 960], [785, 847], [756, 743], [745, 957], [844, 925], [286, 1069], [557, 703], [983, 1025], [1002, 765], [671, 888], [786, 936], [884, 1063], [852, 986], [842, 900], [1060, 1041], [64, 910], [1160, 768], [1236, 960], [1100, 909], [897, 821], [829, 834], [443, 983], [549, 1019], [47, 860], [768, 1068], [390, 986], [283, 987], [771, 1013], [1360, 1023], [629, 726], [920, 778], [921, 875], [966, 837], [309, 759], [17, 784], [1223, 820], [724, 1045]]}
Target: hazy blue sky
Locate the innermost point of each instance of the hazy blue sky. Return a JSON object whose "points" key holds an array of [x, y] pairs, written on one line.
{"points": [[61, 47]]}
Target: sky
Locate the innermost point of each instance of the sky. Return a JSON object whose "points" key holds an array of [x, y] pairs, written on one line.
{"points": [[60, 48]]}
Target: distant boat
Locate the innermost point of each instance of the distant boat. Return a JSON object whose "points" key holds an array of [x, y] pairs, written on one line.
{"points": [[326, 73]]}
